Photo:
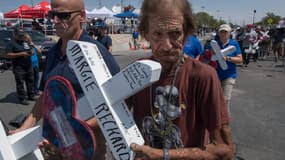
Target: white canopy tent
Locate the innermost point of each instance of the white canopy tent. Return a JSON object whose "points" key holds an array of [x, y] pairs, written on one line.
{"points": [[100, 13], [1, 16], [87, 12], [93, 11]]}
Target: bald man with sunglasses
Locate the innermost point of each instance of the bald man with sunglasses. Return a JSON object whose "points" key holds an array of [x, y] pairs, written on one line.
{"points": [[67, 16]]}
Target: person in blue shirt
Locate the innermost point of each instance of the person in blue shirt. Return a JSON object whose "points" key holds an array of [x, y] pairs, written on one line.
{"points": [[35, 62], [228, 76], [104, 38], [192, 47], [135, 37]]}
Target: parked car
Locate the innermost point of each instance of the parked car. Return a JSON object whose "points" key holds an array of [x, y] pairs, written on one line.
{"points": [[38, 38], [25, 25], [50, 30]]}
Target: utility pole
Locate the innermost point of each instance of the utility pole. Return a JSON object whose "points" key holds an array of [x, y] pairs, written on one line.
{"points": [[122, 6], [254, 11], [100, 3], [218, 14], [203, 7]]}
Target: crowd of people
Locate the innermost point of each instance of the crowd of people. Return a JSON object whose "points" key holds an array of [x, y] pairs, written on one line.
{"points": [[258, 43], [194, 121]]}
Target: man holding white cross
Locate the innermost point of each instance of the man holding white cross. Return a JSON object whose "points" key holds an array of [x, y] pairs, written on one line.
{"points": [[184, 114], [228, 76], [67, 16]]}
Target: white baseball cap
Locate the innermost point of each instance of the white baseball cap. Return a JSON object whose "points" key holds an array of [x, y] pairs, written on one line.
{"points": [[225, 27]]}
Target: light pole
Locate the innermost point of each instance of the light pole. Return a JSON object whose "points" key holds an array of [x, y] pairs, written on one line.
{"points": [[121, 5], [203, 25], [218, 11], [100, 3], [32, 2], [254, 11]]}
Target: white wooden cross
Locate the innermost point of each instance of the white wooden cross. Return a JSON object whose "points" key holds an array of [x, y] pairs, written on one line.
{"points": [[255, 46], [21, 145], [105, 94], [265, 35], [220, 54]]}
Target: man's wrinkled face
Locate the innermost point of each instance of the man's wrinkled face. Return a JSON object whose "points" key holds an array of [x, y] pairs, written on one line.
{"points": [[166, 36]]}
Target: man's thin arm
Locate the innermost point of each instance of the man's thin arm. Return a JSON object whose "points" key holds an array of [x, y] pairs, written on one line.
{"points": [[35, 115], [220, 148]]}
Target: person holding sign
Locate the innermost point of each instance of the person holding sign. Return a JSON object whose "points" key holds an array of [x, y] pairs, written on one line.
{"points": [[67, 16], [184, 114]]}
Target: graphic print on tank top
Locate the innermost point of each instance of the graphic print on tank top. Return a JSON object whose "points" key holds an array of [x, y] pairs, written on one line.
{"points": [[158, 129]]}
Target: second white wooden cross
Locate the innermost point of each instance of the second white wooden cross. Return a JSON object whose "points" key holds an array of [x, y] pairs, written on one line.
{"points": [[219, 54]]}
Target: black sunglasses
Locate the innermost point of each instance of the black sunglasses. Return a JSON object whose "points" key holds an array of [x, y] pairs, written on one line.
{"points": [[61, 15]]}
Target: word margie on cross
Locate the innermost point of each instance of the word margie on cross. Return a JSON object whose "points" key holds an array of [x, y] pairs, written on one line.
{"points": [[83, 67]]}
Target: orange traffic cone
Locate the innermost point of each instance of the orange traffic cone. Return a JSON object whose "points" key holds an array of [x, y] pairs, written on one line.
{"points": [[130, 46], [143, 47]]}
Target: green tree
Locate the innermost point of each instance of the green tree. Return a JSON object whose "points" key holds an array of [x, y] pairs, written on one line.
{"points": [[270, 19], [204, 20]]}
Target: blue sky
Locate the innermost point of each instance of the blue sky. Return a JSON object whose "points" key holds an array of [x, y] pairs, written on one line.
{"points": [[235, 11]]}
